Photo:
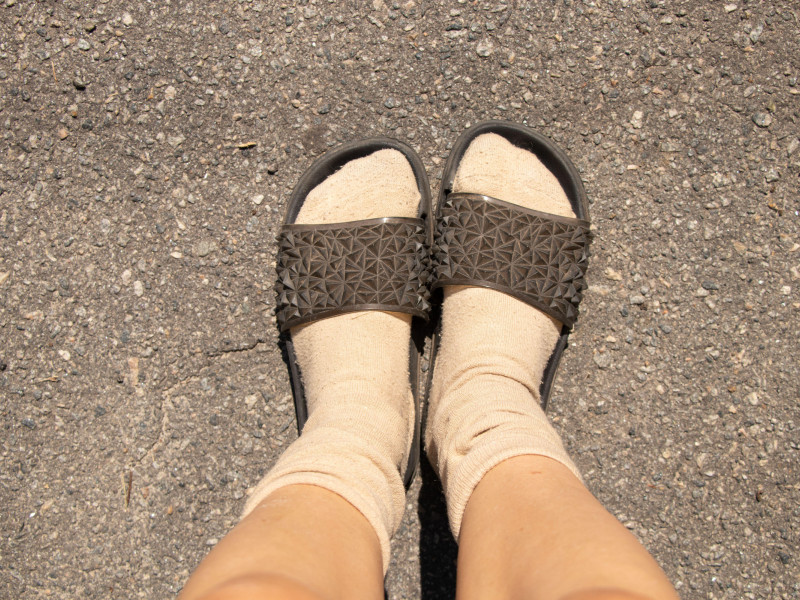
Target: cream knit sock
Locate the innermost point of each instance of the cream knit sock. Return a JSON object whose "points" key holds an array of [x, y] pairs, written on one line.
{"points": [[355, 367], [484, 403]]}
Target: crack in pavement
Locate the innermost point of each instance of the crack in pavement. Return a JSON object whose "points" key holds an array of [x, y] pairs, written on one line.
{"points": [[240, 347]]}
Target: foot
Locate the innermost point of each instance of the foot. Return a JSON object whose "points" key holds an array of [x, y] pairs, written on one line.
{"points": [[355, 366], [484, 403]]}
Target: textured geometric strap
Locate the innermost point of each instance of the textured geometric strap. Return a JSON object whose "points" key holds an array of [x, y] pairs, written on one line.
{"points": [[376, 264], [536, 257]]}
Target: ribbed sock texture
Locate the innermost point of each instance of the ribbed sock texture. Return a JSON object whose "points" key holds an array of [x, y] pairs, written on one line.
{"points": [[355, 368], [484, 403]]}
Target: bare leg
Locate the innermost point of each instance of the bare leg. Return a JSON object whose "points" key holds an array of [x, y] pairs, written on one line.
{"points": [[527, 527], [301, 543], [532, 530], [318, 524]]}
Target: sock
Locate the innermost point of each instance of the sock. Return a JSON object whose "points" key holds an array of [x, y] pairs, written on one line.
{"points": [[484, 402], [355, 367]]}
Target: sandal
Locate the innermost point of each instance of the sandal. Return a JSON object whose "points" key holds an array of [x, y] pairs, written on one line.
{"points": [[327, 270], [536, 257]]}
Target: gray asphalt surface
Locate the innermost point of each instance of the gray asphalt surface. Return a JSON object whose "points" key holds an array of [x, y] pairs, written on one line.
{"points": [[146, 153]]}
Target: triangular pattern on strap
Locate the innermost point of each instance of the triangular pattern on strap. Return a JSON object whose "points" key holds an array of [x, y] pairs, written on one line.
{"points": [[540, 260], [382, 266]]}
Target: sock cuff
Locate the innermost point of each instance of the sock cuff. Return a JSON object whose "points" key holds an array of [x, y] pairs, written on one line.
{"points": [[364, 503], [481, 460]]}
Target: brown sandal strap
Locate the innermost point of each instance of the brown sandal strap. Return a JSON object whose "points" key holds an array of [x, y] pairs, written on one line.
{"points": [[536, 257], [376, 264]]}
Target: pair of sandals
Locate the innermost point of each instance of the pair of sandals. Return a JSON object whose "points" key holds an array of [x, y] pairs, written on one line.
{"points": [[394, 264]]}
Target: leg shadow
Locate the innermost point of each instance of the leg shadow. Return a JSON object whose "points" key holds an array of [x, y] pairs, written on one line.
{"points": [[438, 551]]}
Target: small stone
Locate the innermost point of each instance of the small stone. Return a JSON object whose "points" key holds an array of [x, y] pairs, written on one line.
{"points": [[246, 447], [169, 93], [710, 285], [762, 119], [390, 102], [64, 354], [83, 45], [636, 119], [126, 277], [29, 423], [176, 254], [138, 288], [257, 200], [729, 8], [701, 459], [786, 290], [602, 360], [127, 19], [752, 398], [637, 299], [63, 133], [484, 48], [175, 140], [756, 32], [613, 275], [99, 411], [772, 175], [204, 248]]}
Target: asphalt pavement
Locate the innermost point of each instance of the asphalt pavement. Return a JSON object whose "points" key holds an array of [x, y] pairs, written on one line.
{"points": [[147, 150]]}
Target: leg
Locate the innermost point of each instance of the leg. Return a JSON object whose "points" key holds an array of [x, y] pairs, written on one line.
{"points": [[532, 530], [526, 526], [301, 543], [318, 525]]}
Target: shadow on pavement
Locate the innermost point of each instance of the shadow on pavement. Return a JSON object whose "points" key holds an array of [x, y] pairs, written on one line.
{"points": [[437, 549]]}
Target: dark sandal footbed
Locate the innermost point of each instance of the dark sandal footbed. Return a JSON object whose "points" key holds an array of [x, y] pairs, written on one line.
{"points": [[558, 163], [320, 170]]}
